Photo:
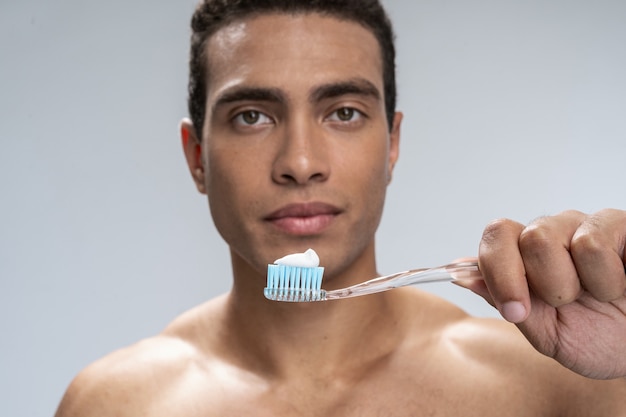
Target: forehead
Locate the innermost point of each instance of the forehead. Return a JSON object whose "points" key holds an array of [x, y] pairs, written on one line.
{"points": [[298, 49]]}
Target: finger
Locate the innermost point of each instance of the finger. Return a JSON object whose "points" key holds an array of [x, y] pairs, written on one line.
{"points": [[477, 287], [502, 267], [545, 246], [598, 252]]}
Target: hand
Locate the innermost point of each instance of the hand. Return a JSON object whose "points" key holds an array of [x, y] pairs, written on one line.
{"points": [[562, 280]]}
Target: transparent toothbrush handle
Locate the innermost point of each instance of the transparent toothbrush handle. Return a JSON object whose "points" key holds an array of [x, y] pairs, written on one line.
{"points": [[450, 272]]}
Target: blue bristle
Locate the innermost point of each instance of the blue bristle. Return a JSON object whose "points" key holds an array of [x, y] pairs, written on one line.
{"points": [[306, 277], [281, 273], [285, 277], [293, 272], [313, 280], [297, 278]]}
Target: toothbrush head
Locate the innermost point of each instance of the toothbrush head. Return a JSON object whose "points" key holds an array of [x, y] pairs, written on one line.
{"points": [[294, 283]]}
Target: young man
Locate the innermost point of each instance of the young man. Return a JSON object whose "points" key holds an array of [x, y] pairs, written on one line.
{"points": [[293, 138]]}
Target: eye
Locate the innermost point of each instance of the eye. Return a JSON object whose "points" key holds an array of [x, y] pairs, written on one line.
{"points": [[345, 114], [251, 118]]}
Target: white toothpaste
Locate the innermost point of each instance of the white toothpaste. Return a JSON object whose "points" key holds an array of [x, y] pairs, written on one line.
{"points": [[308, 259]]}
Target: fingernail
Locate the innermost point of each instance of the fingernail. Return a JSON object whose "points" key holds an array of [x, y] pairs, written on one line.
{"points": [[513, 311]]}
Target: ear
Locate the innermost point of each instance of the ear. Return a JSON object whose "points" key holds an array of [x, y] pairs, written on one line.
{"points": [[192, 146], [394, 144]]}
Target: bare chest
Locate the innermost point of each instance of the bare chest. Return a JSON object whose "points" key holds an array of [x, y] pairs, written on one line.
{"points": [[400, 393]]}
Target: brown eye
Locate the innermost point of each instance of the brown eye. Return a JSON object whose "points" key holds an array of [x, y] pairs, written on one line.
{"points": [[347, 117], [250, 117], [345, 114]]}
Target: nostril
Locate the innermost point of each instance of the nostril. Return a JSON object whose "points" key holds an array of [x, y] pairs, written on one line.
{"points": [[302, 179], [317, 177], [286, 178]]}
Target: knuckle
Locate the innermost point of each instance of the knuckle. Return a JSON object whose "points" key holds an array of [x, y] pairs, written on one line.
{"points": [[575, 214], [610, 213], [497, 228], [535, 239], [588, 243]]}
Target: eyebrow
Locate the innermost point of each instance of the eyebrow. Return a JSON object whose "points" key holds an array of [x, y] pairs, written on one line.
{"points": [[250, 94], [357, 86]]}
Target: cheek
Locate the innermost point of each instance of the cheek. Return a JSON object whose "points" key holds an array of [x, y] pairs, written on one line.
{"points": [[368, 174], [232, 189], [230, 173], [370, 169]]}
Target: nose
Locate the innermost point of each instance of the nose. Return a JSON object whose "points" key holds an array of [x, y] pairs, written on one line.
{"points": [[302, 155]]}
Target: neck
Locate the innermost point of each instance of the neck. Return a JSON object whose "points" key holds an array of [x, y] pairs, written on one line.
{"points": [[330, 337]]}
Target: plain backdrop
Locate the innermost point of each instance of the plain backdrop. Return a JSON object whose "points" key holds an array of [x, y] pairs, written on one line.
{"points": [[512, 109]]}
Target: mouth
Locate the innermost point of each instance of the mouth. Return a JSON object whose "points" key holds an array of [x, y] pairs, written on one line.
{"points": [[304, 218]]}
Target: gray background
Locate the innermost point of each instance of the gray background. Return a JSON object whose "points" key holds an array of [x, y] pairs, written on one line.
{"points": [[513, 109]]}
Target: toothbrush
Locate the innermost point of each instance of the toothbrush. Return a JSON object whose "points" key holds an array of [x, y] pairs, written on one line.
{"points": [[298, 271], [299, 290]]}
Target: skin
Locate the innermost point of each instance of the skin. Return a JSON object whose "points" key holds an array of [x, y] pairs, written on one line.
{"points": [[404, 352]]}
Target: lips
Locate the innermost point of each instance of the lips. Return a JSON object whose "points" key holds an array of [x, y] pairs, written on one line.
{"points": [[304, 218]]}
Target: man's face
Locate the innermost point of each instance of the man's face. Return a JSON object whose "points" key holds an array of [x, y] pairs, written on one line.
{"points": [[296, 151]]}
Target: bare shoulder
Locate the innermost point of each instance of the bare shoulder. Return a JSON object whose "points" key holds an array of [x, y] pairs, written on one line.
{"points": [[492, 355], [507, 352], [126, 380], [139, 379], [494, 343]]}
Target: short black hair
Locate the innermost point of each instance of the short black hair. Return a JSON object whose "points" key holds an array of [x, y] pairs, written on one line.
{"points": [[211, 15]]}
